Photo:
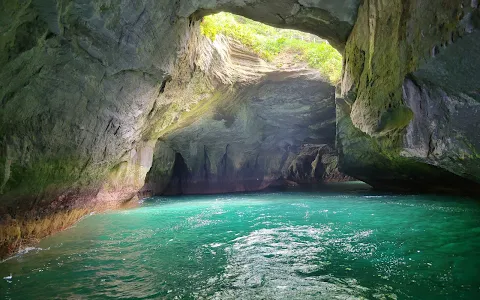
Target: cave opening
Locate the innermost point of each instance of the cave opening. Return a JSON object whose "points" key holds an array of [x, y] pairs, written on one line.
{"points": [[277, 45], [179, 176], [273, 122]]}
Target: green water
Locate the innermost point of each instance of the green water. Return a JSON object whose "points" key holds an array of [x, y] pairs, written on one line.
{"points": [[261, 246]]}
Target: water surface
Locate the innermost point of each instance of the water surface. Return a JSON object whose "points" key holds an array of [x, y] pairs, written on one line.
{"points": [[292, 245]]}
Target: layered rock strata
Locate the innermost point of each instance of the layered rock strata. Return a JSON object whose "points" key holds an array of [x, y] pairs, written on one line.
{"points": [[251, 128]]}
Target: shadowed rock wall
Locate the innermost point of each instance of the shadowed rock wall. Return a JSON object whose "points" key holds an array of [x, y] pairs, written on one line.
{"points": [[77, 84], [408, 107]]}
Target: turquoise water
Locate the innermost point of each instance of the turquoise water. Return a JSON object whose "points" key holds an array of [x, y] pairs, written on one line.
{"points": [[261, 246]]}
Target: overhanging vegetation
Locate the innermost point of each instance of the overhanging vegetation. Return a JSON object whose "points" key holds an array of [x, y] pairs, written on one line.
{"points": [[269, 42]]}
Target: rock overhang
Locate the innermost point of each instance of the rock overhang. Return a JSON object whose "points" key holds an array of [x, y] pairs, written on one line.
{"points": [[329, 19]]}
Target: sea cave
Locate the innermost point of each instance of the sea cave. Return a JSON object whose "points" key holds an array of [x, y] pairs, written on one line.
{"points": [[239, 149]]}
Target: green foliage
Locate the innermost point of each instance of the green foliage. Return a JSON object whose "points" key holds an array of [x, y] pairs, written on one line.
{"points": [[268, 42]]}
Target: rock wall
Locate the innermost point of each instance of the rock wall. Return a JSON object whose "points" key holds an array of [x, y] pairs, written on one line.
{"points": [[250, 128], [409, 101], [78, 81]]}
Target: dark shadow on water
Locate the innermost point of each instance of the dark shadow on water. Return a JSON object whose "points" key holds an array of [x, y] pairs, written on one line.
{"points": [[351, 188]]}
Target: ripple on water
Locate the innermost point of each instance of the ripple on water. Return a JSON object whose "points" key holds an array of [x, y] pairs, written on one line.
{"points": [[288, 262], [261, 246]]}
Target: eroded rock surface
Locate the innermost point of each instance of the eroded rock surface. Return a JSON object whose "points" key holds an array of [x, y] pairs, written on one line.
{"points": [[78, 82], [250, 130], [408, 107]]}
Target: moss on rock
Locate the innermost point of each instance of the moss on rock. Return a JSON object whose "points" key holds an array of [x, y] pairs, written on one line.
{"points": [[389, 42]]}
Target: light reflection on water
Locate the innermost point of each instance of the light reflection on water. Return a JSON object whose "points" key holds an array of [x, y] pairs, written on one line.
{"points": [[261, 246]]}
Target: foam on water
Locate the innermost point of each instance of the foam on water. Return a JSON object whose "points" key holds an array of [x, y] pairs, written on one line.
{"points": [[24, 251]]}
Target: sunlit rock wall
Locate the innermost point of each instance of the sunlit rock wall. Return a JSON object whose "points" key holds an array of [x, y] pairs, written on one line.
{"points": [[251, 128]]}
